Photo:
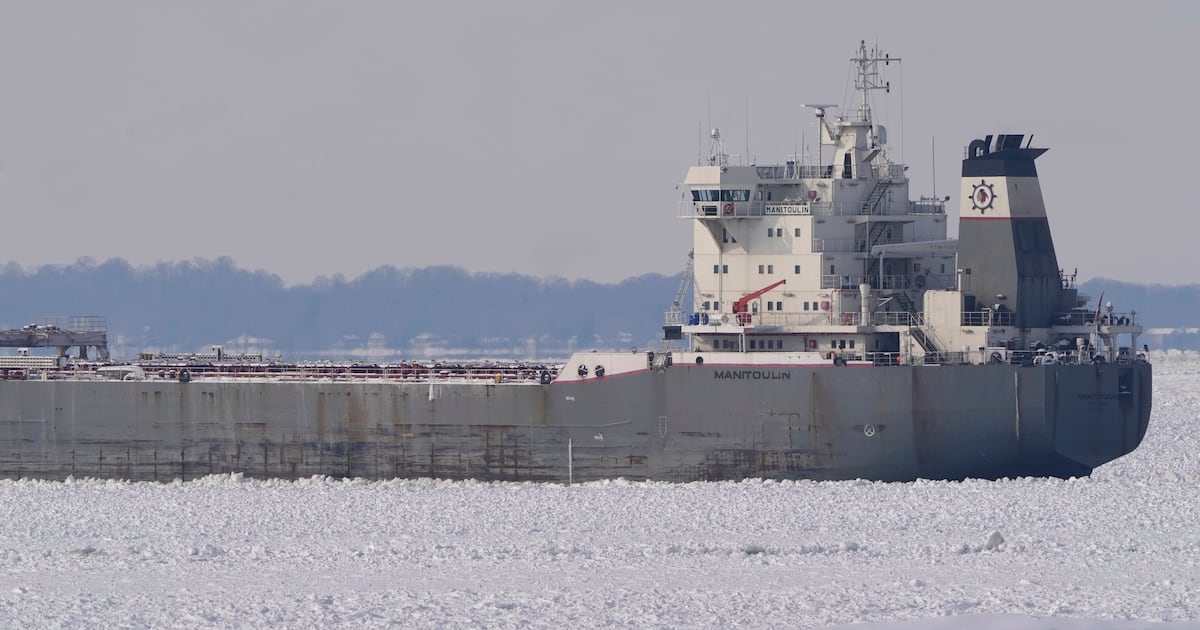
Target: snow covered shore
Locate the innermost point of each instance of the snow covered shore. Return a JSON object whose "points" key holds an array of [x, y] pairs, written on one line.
{"points": [[1116, 551]]}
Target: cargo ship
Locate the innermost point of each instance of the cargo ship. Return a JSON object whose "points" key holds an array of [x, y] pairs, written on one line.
{"points": [[833, 331]]}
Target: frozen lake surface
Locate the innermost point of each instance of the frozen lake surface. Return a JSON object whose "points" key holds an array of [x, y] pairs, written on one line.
{"points": [[1118, 550]]}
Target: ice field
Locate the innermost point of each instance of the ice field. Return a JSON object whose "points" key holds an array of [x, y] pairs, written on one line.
{"points": [[1118, 550]]}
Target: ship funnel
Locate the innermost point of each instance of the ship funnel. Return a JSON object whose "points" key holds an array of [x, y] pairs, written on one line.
{"points": [[1004, 236]]}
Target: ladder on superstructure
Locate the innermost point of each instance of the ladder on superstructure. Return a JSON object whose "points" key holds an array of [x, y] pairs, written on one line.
{"points": [[872, 203]]}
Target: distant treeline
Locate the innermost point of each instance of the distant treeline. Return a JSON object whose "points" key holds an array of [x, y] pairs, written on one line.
{"points": [[189, 306]]}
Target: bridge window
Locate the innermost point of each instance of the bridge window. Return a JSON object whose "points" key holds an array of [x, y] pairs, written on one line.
{"points": [[721, 195]]}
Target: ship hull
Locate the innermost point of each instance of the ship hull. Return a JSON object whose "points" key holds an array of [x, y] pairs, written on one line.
{"points": [[693, 422]]}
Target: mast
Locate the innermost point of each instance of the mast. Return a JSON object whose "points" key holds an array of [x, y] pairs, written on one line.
{"points": [[867, 77]]}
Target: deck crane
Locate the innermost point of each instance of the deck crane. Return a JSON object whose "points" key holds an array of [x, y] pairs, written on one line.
{"points": [[739, 307], [673, 326]]}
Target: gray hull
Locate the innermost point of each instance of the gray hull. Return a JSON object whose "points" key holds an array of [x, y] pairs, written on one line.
{"points": [[685, 423]]}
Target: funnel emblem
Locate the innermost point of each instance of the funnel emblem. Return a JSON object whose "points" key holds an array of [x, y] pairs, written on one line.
{"points": [[982, 196]]}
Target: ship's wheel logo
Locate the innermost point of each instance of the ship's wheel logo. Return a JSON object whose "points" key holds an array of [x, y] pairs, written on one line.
{"points": [[982, 196]]}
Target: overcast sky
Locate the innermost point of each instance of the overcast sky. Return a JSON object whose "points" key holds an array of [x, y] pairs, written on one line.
{"points": [[318, 138]]}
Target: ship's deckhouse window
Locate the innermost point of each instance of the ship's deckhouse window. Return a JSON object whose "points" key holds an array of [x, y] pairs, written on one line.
{"points": [[721, 195], [779, 305], [797, 232], [851, 344], [770, 232], [706, 305], [761, 268], [716, 269], [805, 305], [770, 268], [797, 269]]}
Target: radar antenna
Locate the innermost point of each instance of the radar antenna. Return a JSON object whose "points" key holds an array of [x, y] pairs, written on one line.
{"points": [[717, 156], [823, 130]]}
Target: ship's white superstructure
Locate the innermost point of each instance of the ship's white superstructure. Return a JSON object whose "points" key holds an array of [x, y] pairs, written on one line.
{"points": [[834, 258]]}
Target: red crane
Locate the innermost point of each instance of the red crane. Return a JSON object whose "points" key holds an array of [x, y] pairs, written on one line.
{"points": [[739, 307]]}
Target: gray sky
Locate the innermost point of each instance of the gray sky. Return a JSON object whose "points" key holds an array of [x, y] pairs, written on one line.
{"points": [[317, 138]]}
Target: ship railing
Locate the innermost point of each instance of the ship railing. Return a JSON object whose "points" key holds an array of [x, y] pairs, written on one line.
{"points": [[927, 206], [397, 373], [803, 319], [75, 323], [806, 319], [890, 283], [988, 317], [794, 171], [944, 358], [1089, 318], [887, 170], [893, 318], [688, 209], [833, 245], [884, 358]]}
